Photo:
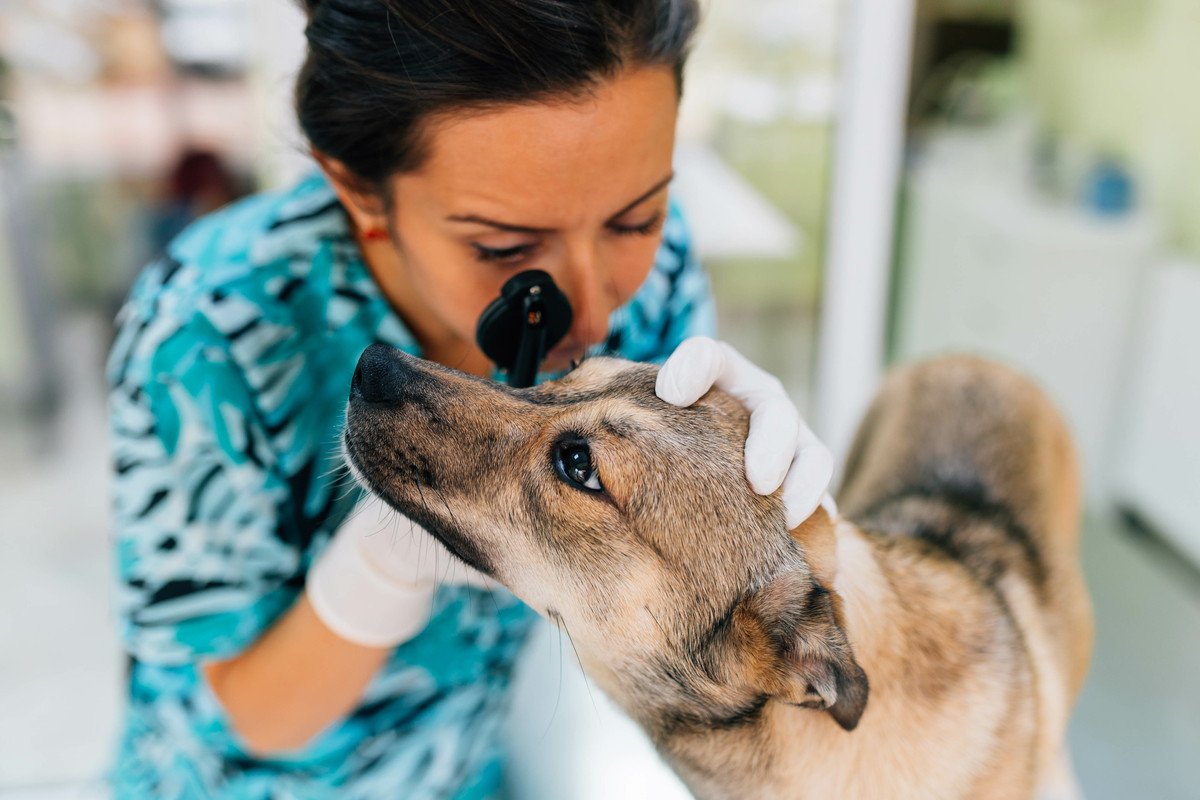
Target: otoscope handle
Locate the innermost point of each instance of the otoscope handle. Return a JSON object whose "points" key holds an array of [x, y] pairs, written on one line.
{"points": [[532, 347]]}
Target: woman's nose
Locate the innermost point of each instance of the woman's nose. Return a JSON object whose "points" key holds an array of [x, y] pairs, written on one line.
{"points": [[590, 290]]}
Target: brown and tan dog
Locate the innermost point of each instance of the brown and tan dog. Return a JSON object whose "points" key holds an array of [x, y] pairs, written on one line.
{"points": [[929, 644]]}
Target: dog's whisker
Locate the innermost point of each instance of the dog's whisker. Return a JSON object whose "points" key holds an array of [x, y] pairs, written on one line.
{"points": [[556, 617], [420, 493], [385, 518], [441, 574], [394, 530], [449, 511], [336, 466], [466, 354], [343, 481], [578, 660], [332, 477], [354, 513], [657, 624], [361, 508], [454, 521], [495, 605], [345, 492], [438, 579], [425, 504], [445, 504]]}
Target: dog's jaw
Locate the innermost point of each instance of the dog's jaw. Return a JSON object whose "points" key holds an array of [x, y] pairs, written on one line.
{"points": [[455, 541]]}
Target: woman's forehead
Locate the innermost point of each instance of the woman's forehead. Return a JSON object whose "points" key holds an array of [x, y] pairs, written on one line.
{"points": [[598, 151]]}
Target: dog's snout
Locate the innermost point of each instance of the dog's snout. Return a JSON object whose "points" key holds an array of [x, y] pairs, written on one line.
{"points": [[381, 375]]}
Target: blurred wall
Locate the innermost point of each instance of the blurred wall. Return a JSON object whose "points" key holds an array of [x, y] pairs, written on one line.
{"points": [[1119, 77]]}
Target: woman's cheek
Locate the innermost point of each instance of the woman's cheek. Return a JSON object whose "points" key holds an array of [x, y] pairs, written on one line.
{"points": [[633, 267], [462, 287]]}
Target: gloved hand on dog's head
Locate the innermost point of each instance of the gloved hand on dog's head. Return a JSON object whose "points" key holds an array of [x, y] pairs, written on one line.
{"points": [[781, 450]]}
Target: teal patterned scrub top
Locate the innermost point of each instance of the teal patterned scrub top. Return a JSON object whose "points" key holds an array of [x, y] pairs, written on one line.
{"points": [[228, 381]]}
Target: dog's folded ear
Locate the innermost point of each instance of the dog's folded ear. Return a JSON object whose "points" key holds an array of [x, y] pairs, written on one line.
{"points": [[798, 649]]}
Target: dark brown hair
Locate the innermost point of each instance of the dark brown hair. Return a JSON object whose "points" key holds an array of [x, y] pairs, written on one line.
{"points": [[377, 69]]}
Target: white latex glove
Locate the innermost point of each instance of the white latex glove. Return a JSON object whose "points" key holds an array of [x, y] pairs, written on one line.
{"points": [[781, 449], [374, 583]]}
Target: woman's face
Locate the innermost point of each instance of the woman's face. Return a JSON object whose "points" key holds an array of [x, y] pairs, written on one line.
{"points": [[577, 188]]}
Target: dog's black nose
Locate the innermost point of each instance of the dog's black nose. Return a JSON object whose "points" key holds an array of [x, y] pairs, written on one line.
{"points": [[381, 375]]}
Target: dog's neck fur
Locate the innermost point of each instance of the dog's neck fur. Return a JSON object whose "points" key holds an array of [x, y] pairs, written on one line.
{"points": [[797, 752]]}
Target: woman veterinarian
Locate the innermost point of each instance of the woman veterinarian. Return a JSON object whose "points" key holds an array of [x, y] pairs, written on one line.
{"points": [[277, 647]]}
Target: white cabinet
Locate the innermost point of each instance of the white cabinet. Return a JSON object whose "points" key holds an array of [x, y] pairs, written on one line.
{"points": [[990, 267], [1158, 463]]}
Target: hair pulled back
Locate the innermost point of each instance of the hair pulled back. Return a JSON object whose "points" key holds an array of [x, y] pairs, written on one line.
{"points": [[377, 69]]}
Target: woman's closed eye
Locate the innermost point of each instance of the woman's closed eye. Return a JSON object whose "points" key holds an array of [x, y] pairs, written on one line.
{"points": [[513, 254], [520, 253], [647, 227]]}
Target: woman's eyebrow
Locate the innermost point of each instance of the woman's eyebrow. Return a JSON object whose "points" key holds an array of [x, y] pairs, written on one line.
{"points": [[506, 226], [653, 190]]}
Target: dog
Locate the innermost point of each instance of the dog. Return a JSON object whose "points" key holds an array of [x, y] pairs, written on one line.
{"points": [[928, 642]]}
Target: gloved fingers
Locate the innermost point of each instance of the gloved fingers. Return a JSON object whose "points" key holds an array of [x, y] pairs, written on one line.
{"points": [[830, 505], [806, 438], [700, 363], [745, 380], [771, 444], [780, 448], [806, 482], [690, 371]]}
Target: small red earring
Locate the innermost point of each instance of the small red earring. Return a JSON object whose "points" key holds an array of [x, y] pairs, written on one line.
{"points": [[375, 234]]}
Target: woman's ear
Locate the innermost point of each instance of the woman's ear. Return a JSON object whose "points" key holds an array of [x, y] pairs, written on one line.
{"points": [[366, 207]]}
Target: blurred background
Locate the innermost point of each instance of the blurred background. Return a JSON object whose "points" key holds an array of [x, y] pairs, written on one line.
{"points": [[867, 182]]}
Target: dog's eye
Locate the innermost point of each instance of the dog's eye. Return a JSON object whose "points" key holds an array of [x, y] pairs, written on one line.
{"points": [[574, 463]]}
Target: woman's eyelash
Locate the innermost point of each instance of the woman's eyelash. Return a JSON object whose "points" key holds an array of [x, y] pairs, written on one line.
{"points": [[502, 253], [520, 251], [646, 228]]}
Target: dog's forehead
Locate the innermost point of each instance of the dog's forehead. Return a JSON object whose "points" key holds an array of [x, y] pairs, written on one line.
{"points": [[613, 370], [604, 377], [613, 379]]}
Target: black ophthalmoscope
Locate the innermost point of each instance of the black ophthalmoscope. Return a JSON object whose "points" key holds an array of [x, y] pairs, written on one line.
{"points": [[523, 324]]}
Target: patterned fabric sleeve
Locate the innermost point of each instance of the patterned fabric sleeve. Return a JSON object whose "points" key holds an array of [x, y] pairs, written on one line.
{"points": [[674, 303], [204, 564]]}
